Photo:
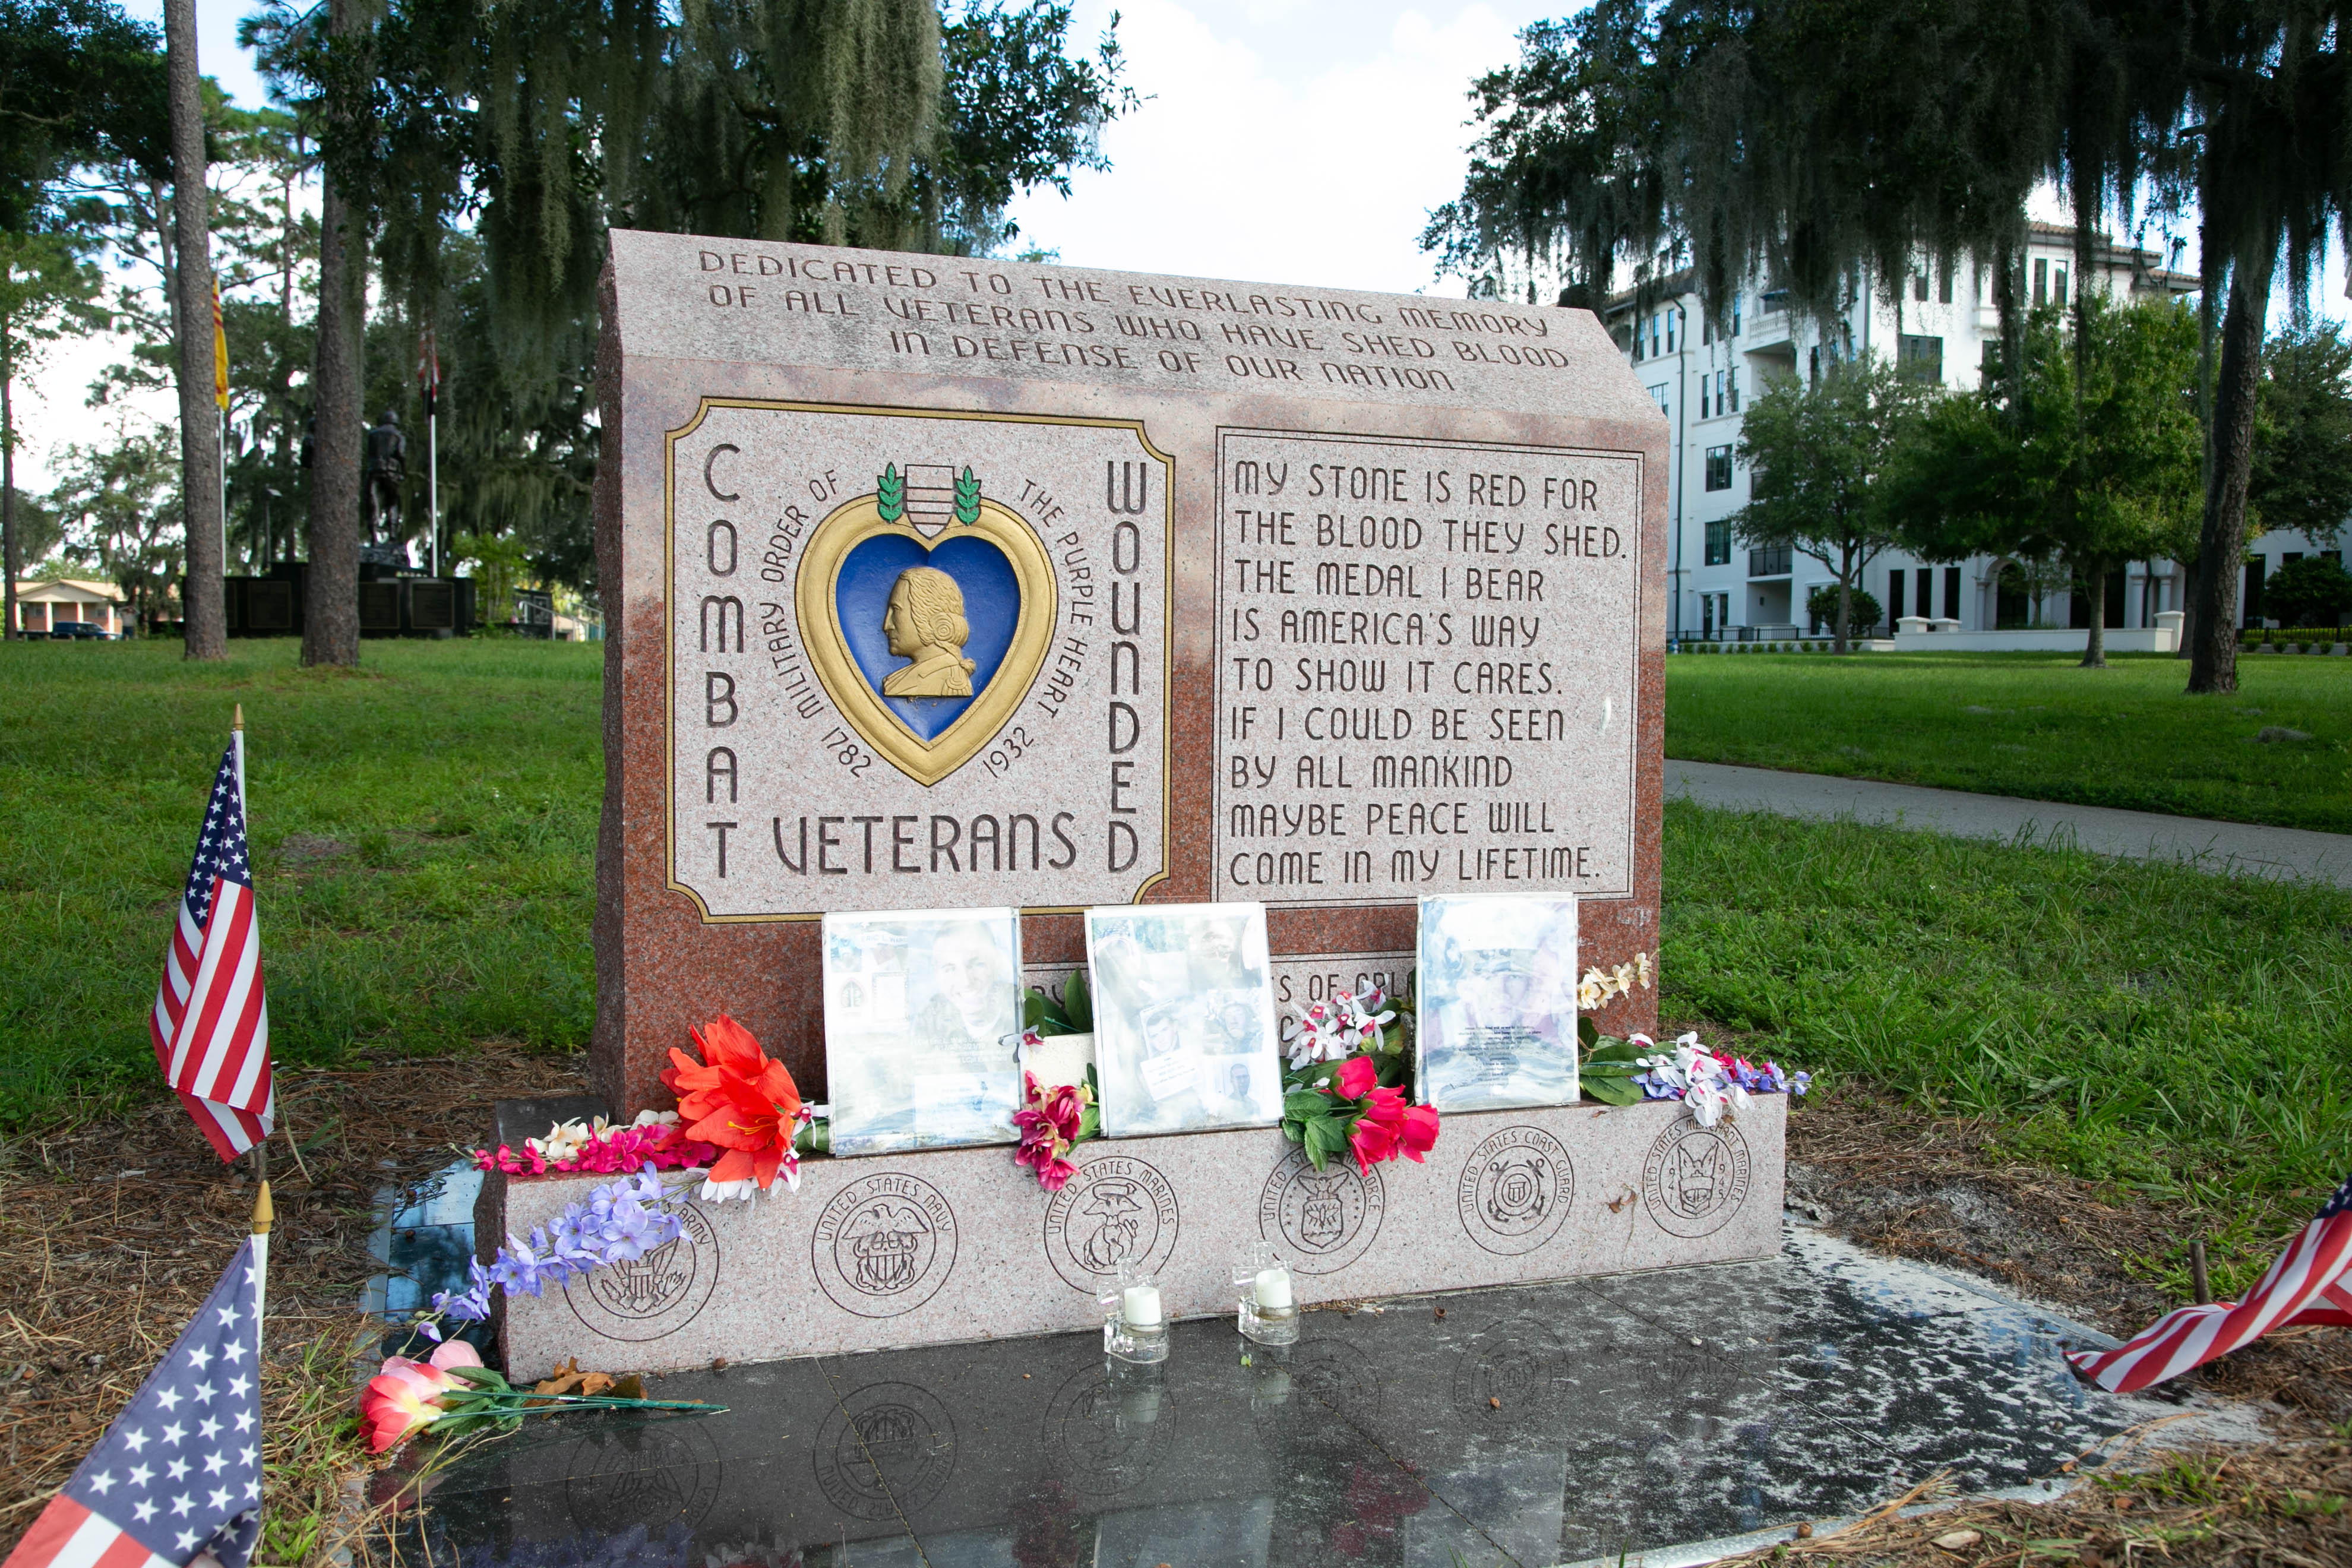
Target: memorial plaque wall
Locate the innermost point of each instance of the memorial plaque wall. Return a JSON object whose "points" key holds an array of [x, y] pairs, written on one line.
{"points": [[937, 582]]}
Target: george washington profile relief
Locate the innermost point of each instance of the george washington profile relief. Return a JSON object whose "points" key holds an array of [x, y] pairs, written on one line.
{"points": [[926, 622]]}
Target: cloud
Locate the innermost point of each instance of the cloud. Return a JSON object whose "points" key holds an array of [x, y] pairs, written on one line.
{"points": [[1231, 170]]}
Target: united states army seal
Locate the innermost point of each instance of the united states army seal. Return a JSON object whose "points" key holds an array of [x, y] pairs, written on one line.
{"points": [[1516, 1190], [1320, 1221], [658, 1294], [884, 1244], [1116, 1209], [1696, 1177]]}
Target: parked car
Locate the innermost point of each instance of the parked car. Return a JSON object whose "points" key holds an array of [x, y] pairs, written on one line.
{"points": [[84, 631]]}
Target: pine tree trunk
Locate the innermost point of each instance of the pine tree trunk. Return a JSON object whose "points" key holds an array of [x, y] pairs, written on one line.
{"points": [[9, 561], [201, 607], [331, 611], [2221, 543], [2095, 587]]}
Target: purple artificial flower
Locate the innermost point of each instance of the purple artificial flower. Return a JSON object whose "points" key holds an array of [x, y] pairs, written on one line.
{"points": [[528, 1266]]}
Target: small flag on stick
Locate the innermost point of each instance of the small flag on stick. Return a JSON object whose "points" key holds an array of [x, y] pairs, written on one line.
{"points": [[211, 1022], [2309, 1284], [179, 1472]]}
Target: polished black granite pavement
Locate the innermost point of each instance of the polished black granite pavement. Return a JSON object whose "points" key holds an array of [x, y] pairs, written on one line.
{"points": [[1531, 1425]]}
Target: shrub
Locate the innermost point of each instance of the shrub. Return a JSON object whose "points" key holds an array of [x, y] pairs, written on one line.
{"points": [[1822, 605], [2312, 593]]}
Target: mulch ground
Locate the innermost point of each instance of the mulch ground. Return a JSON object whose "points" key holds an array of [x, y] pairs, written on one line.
{"points": [[119, 1227]]}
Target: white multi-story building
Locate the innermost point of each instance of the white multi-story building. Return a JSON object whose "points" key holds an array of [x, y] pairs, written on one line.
{"points": [[1940, 328]]}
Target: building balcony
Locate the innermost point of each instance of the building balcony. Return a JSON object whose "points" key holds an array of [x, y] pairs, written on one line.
{"points": [[1772, 560]]}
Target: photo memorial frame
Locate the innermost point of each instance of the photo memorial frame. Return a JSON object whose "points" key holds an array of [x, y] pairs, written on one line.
{"points": [[1184, 1025], [1495, 1002], [922, 1014]]}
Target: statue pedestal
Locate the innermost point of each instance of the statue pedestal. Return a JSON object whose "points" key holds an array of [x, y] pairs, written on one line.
{"points": [[959, 1245]]}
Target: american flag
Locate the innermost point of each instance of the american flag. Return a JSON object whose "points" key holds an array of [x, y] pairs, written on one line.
{"points": [[180, 1470], [211, 1022], [2307, 1285]]}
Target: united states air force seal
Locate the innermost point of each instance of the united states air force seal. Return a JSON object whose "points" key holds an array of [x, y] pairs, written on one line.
{"points": [[1116, 1209], [1320, 1221], [884, 1244], [658, 1294], [1516, 1190], [1696, 1177]]}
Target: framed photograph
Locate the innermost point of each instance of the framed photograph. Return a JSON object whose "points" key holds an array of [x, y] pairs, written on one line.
{"points": [[922, 1014], [1184, 1035], [1495, 1001]]}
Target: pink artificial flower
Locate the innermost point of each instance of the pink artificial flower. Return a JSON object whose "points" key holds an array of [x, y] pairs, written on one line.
{"points": [[1389, 1127], [1049, 1124], [455, 1353], [401, 1399]]}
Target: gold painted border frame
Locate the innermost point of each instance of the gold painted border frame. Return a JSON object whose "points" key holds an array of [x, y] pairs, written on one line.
{"points": [[671, 437], [816, 597]]}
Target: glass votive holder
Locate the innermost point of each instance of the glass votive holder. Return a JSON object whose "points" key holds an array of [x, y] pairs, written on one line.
{"points": [[1269, 1308], [1135, 1320]]}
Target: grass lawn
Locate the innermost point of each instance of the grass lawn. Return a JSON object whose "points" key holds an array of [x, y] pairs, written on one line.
{"points": [[424, 833], [2034, 725], [2183, 1036]]}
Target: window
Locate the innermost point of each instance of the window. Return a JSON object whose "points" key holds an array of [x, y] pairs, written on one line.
{"points": [[1926, 600], [2042, 281], [1813, 367], [1951, 593], [1718, 468], [1918, 358], [1735, 315], [1705, 331], [1895, 596], [1719, 538], [1658, 396], [2249, 605], [1712, 401], [1944, 286], [1655, 321], [1731, 381], [1919, 285], [2058, 287], [1771, 561]]}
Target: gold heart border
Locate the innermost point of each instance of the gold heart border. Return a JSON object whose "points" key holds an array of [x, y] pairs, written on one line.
{"points": [[816, 596]]}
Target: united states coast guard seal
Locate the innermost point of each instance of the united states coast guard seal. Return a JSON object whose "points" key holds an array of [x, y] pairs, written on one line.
{"points": [[884, 1244], [1516, 1190]]}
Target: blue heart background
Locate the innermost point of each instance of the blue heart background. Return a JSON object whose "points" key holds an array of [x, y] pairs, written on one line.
{"points": [[992, 603]]}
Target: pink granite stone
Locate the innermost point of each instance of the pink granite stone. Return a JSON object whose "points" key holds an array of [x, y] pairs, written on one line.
{"points": [[963, 1245], [1371, 603]]}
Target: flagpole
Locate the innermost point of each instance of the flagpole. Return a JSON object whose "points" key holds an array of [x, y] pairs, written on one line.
{"points": [[262, 1216], [261, 1148]]}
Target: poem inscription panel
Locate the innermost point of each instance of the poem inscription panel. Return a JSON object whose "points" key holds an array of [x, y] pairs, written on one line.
{"points": [[1425, 676]]}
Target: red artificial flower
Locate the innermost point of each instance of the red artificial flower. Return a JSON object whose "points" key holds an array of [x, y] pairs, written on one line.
{"points": [[738, 1098], [1389, 1127], [1356, 1078]]}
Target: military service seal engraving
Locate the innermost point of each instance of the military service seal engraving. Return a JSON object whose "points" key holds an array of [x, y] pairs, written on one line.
{"points": [[1116, 1209], [653, 1296], [1696, 1177], [885, 1245], [1320, 1221], [1515, 1191]]}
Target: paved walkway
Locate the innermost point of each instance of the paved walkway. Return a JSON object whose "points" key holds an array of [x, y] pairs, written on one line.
{"points": [[2232, 847]]}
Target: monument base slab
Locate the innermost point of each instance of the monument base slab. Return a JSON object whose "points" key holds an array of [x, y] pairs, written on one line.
{"points": [[961, 1245]]}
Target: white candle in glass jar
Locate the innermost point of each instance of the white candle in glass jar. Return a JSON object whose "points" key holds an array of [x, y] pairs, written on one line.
{"points": [[1272, 1289], [1138, 1306]]}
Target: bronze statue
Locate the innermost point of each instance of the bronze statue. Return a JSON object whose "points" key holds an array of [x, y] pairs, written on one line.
{"points": [[387, 466], [926, 622]]}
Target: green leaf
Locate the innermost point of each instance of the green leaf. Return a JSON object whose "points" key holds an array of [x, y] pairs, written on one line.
{"points": [[1078, 1004], [1306, 1104], [1294, 1129], [1618, 1051], [1587, 1030], [967, 496], [891, 494], [1326, 1136]]}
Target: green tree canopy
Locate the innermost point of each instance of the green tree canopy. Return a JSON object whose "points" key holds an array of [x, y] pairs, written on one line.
{"points": [[1816, 455], [79, 83], [2301, 477]]}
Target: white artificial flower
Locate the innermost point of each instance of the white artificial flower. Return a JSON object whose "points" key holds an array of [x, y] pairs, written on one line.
{"points": [[726, 1192], [1643, 967]]}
